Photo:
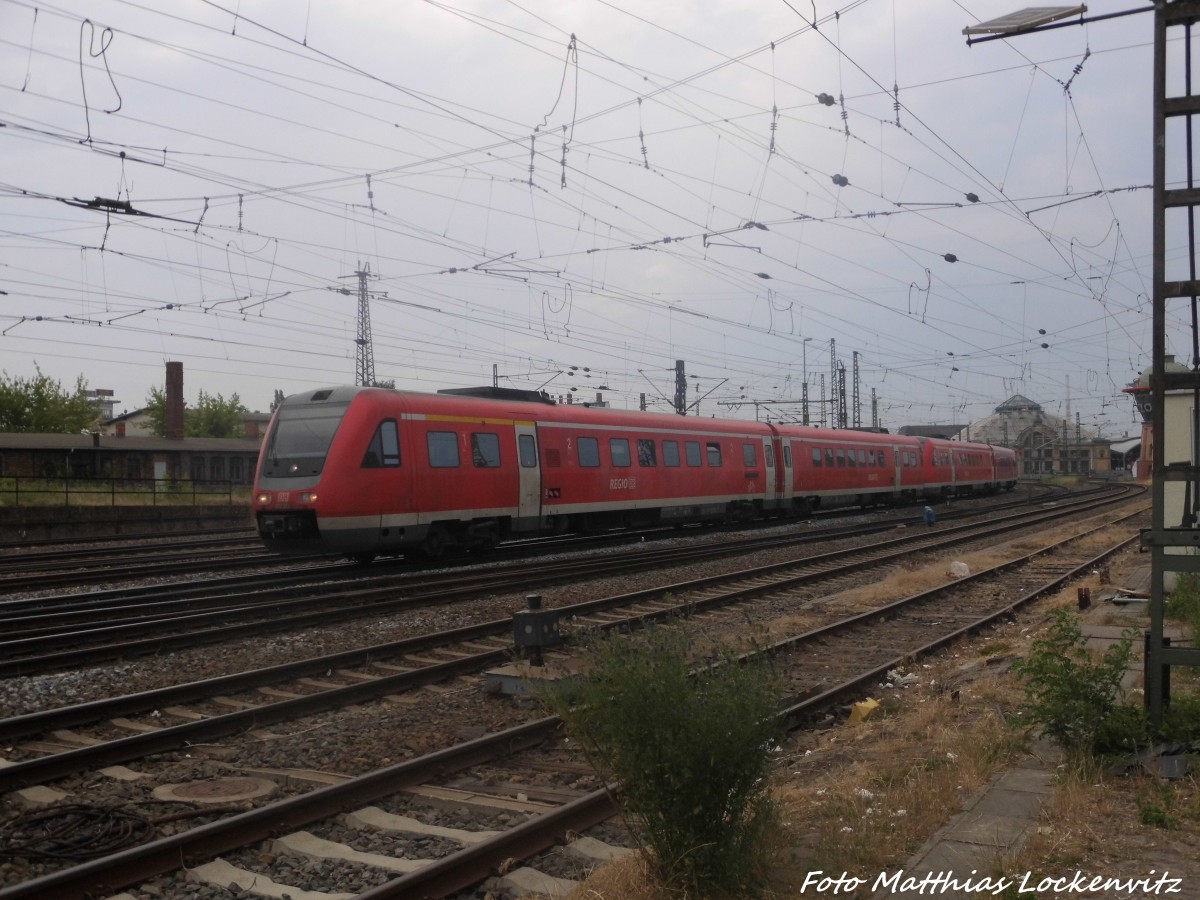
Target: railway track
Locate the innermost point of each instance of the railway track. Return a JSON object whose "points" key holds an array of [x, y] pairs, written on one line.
{"points": [[909, 627], [48, 633], [429, 658], [172, 555], [40, 572]]}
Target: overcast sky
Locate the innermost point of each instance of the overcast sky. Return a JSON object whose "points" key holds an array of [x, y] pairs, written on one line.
{"points": [[579, 194]]}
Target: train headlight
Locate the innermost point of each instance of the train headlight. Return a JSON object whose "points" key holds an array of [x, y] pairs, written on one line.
{"points": [[262, 498], [308, 497]]}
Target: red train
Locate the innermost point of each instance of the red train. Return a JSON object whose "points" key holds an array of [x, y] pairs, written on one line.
{"points": [[369, 471]]}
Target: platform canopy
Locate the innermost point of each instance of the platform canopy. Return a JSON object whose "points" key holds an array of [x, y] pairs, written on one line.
{"points": [[1023, 20]]}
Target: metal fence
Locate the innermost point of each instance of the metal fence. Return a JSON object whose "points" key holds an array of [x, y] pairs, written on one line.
{"points": [[22, 490]]}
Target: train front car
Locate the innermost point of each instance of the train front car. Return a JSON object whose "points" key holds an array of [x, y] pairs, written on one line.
{"points": [[365, 472], [295, 485]]}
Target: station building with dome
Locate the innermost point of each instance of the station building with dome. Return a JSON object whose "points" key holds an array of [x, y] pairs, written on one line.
{"points": [[1046, 444]]}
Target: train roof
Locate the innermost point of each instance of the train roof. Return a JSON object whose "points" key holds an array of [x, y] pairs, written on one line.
{"points": [[536, 406]]}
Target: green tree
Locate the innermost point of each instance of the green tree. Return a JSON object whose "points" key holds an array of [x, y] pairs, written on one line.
{"points": [[278, 401], [212, 416], [41, 405], [156, 411]]}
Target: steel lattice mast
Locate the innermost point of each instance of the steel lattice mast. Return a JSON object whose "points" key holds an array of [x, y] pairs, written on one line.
{"points": [[364, 357]]}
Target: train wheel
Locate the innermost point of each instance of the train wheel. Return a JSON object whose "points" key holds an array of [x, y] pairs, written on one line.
{"points": [[435, 543], [363, 559], [486, 540]]}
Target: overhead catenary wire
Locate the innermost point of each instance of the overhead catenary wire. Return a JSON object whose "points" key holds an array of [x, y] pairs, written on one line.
{"points": [[601, 193]]}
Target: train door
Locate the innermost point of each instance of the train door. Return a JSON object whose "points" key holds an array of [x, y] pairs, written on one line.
{"points": [[898, 474], [787, 481], [771, 488], [529, 499]]}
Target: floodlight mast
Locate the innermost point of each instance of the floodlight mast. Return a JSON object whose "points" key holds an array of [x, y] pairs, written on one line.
{"points": [[1168, 544], [1038, 18]]}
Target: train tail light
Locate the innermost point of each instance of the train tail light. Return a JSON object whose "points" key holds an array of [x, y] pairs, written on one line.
{"points": [[308, 497]]}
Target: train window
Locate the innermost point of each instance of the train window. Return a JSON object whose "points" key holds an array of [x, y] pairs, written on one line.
{"points": [[485, 450], [862, 457], [646, 454], [527, 451], [770, 456], [618, 448], [829, 457], [749, 456], [300, 439], [787, 456], [816, 457], [713, 451], [850, 459], [671, 453], [384, 449], [589, 452], [841, 458], [443, 449], [692, 450]]}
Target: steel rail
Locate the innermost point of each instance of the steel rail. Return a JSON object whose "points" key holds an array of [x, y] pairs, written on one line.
{"points": [[102, 877], [29, 653], [466, 867], [806, 705], [59, 765], [459, 871]]}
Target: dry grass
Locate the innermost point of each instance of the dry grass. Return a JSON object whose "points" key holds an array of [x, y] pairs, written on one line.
{"points": [[1117, 827], [904, 582], [929, 748], [864, 798], [626, 879]]}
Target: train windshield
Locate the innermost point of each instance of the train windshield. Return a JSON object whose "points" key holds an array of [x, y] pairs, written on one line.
{"points": [[301, 438]]}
